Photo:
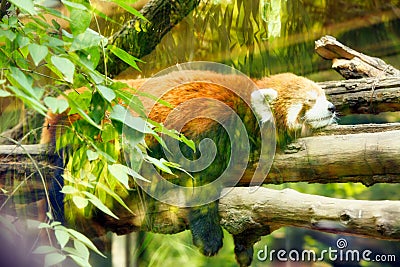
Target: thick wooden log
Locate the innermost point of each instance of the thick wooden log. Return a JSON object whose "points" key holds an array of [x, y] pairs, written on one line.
{"points": [[362, 157], [138, 37], [350, 63], [361, 96], [244, 208]]}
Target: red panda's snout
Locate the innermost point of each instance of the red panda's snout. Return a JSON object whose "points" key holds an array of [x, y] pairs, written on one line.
{"points": [[321, 114]]}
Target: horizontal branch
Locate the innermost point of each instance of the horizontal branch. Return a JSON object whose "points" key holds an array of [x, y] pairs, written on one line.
{"points": [[241, 210], [364, 157], [358, 128], [350, 63], [361, 96], [244, 208], [358, 157]]}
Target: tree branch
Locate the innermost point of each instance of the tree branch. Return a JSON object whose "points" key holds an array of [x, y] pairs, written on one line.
{"points": [[246, 208], [350, 63], [240, 210], [362, 157], [138, 37], [368, 95]]}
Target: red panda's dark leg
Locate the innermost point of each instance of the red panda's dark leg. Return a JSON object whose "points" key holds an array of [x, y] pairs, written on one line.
{"points": [[55, 195], [204, 223], [244, 243]]}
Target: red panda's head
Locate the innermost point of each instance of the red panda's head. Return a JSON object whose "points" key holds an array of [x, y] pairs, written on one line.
{"points": [[299, 104]]}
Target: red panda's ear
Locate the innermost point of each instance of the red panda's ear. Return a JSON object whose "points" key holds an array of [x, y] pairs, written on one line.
{"points": [[260, 100], [269, 94]]}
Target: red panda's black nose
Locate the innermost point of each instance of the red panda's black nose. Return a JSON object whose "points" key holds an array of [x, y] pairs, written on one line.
{"points": [[331, 107]]}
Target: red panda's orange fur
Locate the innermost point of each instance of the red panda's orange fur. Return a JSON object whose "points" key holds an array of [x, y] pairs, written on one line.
{"points": [[173, 89], [234, 91]]}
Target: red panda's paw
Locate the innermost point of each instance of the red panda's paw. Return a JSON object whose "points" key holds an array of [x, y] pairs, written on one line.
{"points": [[243, 254], [206, 231]]}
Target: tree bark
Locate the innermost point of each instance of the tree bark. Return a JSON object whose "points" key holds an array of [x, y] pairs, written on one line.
{"points": [[246, 208], [241, 210], [138, 37], [361, 96], [367, 158], [350, 63]]}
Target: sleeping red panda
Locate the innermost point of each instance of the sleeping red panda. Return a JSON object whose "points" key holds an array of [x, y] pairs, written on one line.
{"points": [[299, 105]]}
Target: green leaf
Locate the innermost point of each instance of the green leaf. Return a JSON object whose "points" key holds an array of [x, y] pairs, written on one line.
{"points": [[55, 223], [38, 52], [74, 106], [82, 250], [19, 79], [80, 202], [10, 35], [74, 5], [26, 5], [121, 114], [133, 101], [158, 99], [56, 105], [106, 92], [4, 93], [22, 41], [89, 38], [114, 195], [120, 174], [188, 142], [68, 189], [132, 136], [62, 237], [100, 205], [136, 175], [125, 5], [109, 133], [65, 66], [175, 166], [81, 262], [159, 164], [53, 259], [32, 102], [80, 21], [85, 241], [124, 56], [44, 250], [44, 226], [92, 155]]}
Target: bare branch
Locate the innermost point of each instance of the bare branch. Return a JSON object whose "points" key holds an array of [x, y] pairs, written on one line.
{"points": [[246, 208], [368, 95], [363, 157], [241, 210], [350, 63]]}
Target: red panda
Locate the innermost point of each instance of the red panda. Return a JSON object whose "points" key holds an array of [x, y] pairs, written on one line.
{"points": [[298, 104]]}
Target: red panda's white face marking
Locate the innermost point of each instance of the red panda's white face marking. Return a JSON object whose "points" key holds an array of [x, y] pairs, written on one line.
{"points": [[321, 113], [292, 119], [298, 103]]}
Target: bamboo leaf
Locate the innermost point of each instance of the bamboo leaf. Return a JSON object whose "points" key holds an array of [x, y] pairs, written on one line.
{"points": [[65, 66], [124, 56]]}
